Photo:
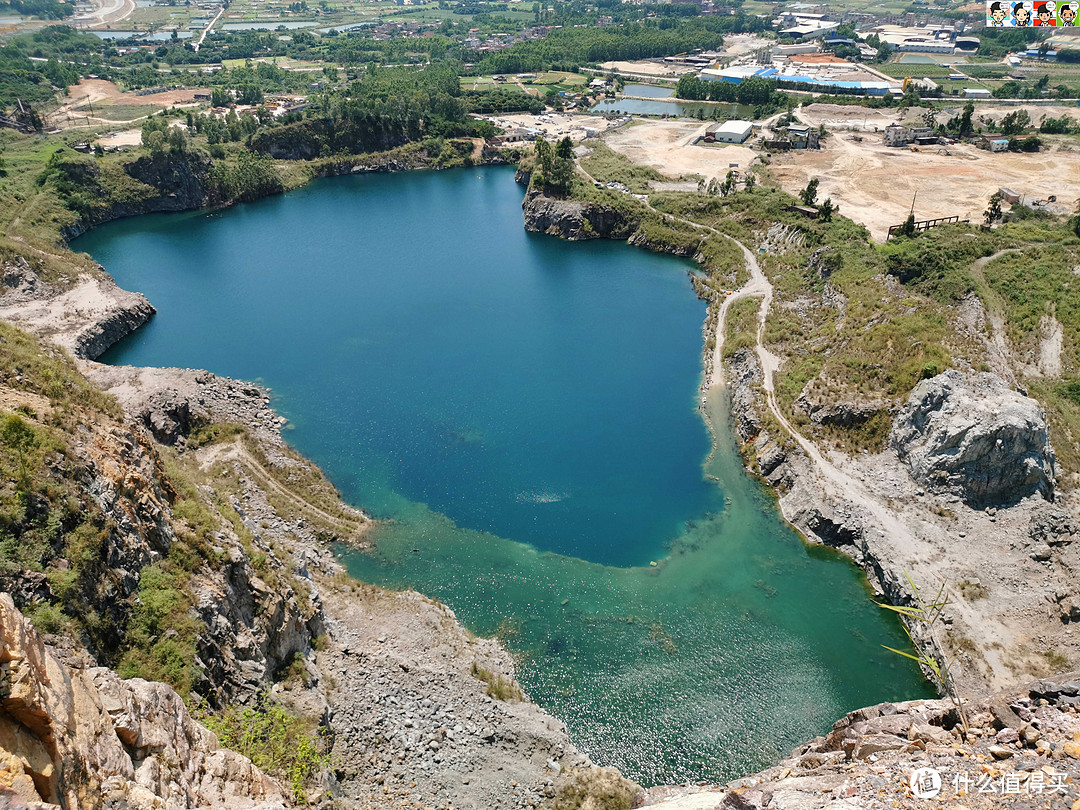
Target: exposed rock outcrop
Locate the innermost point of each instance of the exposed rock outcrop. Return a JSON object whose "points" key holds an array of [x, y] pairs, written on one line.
{"points": [[86, 739], [973, 436], [167, 182], [841, 414], [86, 318], [573, 220]]}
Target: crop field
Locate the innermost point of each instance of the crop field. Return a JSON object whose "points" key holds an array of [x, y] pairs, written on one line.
{"points": [[161, 17], [551, 80], [121, 113]]}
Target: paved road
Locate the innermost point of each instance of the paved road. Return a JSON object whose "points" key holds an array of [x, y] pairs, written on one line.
{"points": [[107, 13]]}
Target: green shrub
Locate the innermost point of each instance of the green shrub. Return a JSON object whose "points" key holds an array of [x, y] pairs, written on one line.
{"points": [[282, 744], [46, 618], [161, 634]]}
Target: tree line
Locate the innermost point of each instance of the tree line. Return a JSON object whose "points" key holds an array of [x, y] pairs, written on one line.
{"points": [[569, 48]]}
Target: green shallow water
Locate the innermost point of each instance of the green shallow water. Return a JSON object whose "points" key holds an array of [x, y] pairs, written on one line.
{"points": [[521, 413], [738, 646]]}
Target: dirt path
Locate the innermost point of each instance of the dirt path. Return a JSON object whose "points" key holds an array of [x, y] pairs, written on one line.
{"points": [[756, 285], [997, 344], [904, 548], [306, 509], [109, 12]]}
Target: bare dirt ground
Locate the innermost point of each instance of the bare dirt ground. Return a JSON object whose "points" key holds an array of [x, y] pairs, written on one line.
{"points": [[874, 184], [670, 148], [108, 12], [129, 137], [105, 94], [646, 68]]}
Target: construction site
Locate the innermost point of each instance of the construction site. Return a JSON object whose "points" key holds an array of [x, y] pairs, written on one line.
{"points": [[874, 184]]}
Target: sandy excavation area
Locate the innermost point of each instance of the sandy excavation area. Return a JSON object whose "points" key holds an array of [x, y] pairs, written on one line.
{"points": [[874, 184], [127, 137], [670, 148], [552, 125], [647, 68], [104, 94]]}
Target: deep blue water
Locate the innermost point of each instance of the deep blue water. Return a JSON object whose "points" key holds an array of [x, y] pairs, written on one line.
{"points": [[431, 348], [503, 396]]}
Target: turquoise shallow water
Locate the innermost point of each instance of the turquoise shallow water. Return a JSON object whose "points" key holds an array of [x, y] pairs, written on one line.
{"points": [[523, 410]]}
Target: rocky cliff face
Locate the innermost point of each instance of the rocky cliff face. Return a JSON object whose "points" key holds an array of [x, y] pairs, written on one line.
{"points": [[253, 616], [83, 738], [998, 630], [162, 183], [573, 220], [973, 436]]}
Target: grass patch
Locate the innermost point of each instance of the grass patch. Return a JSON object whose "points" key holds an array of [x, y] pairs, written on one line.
{"points": [[1035, 286], [27, 365], [498, 687], [1061, 401], [972, 591], [741, 326], [1056, 661], [606, 165], [597, 789], [120, 112]]}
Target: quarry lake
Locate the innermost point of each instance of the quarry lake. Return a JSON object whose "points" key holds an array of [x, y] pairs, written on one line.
{"points": [[522, 412]]}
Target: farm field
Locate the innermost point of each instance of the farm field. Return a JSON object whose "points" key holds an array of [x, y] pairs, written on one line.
{"points": [[553, 79]]}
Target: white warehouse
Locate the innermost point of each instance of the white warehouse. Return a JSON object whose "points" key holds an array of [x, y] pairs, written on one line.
{"points": [[729, 132]]}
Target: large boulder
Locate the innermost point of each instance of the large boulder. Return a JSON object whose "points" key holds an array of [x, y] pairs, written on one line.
{"points": [[973, 436]]}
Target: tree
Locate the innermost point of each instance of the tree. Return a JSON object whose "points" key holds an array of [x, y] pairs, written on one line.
{"points": [[155, 142], [965, 119], [809, 194], [826, 210], [176, 138], [908, 228], [750, 181], [728, 185], [993, 210], [557, 173], [565, 149], [1015, 122], [1075, 221]]}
